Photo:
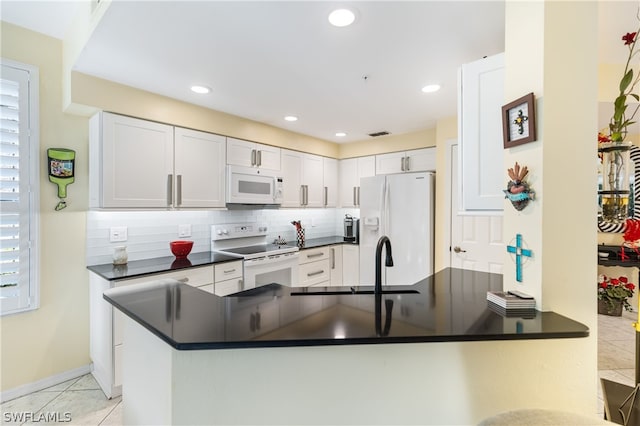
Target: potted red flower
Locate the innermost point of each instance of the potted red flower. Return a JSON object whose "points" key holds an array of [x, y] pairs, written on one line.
{"points": [[613, 295]]}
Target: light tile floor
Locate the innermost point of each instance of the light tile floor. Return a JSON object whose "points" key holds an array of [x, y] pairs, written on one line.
{"points": [[86, 405], [616, 351]]}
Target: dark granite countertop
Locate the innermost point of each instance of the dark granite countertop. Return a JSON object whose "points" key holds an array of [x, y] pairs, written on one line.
{"points": [[321, 242], [446, 307], [138, 268]]}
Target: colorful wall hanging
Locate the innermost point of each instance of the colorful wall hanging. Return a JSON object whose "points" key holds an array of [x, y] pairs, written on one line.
{"points": [[61, 171], [519, 251], [518, 191]]}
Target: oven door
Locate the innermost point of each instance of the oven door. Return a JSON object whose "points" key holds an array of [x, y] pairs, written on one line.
{"points": [[271, 269], [246, 185]]}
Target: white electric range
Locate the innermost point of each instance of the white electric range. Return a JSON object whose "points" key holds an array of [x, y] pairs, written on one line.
{"points": [[264, 263]]}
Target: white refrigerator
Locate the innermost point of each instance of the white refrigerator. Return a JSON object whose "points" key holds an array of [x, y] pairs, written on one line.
{"points": [[399, 206]]}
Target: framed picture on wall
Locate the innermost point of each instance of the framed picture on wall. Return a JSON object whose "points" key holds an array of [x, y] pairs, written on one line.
{"points": [[519, 121]]}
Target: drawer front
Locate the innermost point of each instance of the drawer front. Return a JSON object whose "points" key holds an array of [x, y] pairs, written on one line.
{"points": [[196, 277], [314, 273], [313, 255], [224, 288], [228, 270], [208, 288]]}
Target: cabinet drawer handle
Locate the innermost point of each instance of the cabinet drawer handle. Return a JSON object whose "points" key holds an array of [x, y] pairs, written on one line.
{"points": [[228, 271], [313, 274], [309, 256], [183, 280]]}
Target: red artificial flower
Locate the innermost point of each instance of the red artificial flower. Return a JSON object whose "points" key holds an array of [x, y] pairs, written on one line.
{"points": [[629, 38], [624, 279], [603, 138], [630, 286], [614, 281], [604, 284]]}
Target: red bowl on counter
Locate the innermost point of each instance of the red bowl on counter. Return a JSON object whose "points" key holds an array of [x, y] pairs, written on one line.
{"points": [[181, 248]]}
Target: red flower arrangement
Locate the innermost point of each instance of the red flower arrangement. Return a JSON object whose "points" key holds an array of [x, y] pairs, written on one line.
{"points": [[615, 290]]}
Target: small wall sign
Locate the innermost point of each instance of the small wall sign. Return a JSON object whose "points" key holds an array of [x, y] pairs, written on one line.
{"points": [[519, 121]]}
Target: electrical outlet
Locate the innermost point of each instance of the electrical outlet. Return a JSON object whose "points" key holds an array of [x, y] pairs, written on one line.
{"points": [[184, 231], [117, 234]]}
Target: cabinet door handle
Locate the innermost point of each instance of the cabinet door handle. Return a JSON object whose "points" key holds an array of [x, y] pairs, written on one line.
{"points": [[302, 195], [358, 198], [169, 189], [333, 258], [259, 159], [407, 166], [179, 189], [326, 196], [253, 157], [355, 202], [313, 274], [306, 195], [402, 164]]}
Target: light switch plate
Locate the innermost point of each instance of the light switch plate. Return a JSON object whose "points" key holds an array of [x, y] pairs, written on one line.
{"points": [[184, 231], [117, 234]]}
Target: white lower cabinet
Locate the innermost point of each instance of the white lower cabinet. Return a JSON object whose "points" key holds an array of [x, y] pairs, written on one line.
{"points": [[314, 267], [228, 278], [106, 323], [351, 264]]}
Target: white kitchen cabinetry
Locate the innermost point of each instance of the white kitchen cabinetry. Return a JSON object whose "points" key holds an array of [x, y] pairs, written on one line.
{"points": [[251, 154], [228, 278], [415, 160], [351, 265], [315, 268], [136, 163], [335, 264], [302, 179], [330, 178], [106, 323], [480, 100], [199, 169], [351, 170]]}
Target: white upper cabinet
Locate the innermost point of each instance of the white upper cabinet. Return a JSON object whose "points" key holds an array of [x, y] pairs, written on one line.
{"points": [[136, 163], [330, 178], [302, 179], [480, 100], [350, 172], [415, 160], [131, 162], [251, 154], [199, 169]]}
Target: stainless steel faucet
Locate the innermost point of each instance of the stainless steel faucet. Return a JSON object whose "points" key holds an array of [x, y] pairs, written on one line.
{"points": [[383, 241]]}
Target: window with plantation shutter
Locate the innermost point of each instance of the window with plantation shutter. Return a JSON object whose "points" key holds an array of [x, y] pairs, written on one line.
{"points": [[18, 183]]}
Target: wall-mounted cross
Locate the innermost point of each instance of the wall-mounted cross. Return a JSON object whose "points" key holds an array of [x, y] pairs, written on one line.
{"points": [[519, 252]]}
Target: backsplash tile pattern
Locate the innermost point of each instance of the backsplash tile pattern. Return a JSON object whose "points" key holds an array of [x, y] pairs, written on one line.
{"points": [[149, 232]]}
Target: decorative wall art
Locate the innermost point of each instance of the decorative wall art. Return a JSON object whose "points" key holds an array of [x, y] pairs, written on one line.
{"points": [[519, 121], [518, 191], [519, 251], [61, 171]]}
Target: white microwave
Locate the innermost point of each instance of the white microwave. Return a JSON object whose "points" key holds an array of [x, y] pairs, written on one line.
{"points": [[249, 185]]}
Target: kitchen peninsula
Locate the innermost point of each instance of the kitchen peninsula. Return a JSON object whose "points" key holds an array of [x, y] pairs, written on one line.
{"points": [[329, 355]]}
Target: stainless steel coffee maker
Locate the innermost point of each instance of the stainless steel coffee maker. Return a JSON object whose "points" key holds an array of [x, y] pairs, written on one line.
{"points": [[351, 225]]}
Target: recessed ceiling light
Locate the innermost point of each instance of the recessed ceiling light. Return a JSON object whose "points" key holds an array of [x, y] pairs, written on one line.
{"points": [[200, 89], [291, 118], [431, 88], [341, 134], [342, 17]]}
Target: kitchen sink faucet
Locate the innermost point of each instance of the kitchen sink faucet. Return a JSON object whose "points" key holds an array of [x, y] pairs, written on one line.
{"points": [[384, 240]]}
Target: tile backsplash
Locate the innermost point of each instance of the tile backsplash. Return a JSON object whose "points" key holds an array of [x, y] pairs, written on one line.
{"points": [[149, 232]]}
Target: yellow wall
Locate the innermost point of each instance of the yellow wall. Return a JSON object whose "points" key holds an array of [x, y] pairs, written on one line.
{"points": [[54, 338], [445, 130]]}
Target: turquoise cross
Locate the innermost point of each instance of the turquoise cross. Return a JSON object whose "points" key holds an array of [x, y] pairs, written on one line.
{"points": [[519, 252]]}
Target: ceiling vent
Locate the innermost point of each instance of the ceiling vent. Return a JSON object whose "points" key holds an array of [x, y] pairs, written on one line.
{"points": [[376, 134]]}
